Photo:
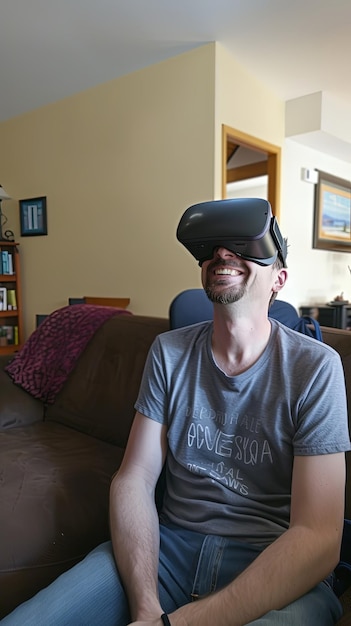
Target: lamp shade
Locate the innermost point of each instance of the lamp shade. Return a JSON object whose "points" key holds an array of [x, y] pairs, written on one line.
{"points": [[3, 194]]}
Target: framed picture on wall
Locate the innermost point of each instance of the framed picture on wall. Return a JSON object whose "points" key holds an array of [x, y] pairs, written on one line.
{"points": [[332, 213], [33, 218]]}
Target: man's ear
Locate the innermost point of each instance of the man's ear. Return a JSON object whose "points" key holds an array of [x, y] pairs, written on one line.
{"points": [[280, 280]]}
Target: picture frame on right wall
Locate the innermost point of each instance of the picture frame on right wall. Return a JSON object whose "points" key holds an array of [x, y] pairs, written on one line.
{"points": [[332, 213]]}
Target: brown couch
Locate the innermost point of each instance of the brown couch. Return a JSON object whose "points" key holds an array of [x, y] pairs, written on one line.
{"points": [[56, 463]]}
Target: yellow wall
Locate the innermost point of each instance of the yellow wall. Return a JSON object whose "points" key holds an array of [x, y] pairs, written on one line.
{"points": [[244, 103], [119, 164]]}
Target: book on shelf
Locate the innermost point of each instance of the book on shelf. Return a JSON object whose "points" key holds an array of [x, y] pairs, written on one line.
{"points": [[3, 299], [6, 262], [8, 335], [11, 300]]}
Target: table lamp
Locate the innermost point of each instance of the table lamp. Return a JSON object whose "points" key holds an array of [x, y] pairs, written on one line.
{"points": [[3, 218]]}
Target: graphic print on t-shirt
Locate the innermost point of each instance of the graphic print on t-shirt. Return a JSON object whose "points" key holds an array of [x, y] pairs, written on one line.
{"points": [[221, 445]]}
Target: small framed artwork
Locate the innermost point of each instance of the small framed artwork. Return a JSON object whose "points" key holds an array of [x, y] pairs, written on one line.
{"points": [[33, 219], [332, 213], [3, 299]]}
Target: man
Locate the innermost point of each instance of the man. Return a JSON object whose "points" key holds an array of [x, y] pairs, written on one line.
{"points": [[251, 419]]}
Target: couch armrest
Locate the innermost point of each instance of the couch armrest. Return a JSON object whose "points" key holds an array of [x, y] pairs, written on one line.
{"points": [[17, 407]]}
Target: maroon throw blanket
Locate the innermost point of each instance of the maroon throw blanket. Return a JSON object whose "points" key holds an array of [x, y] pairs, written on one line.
{"points": [[49, 355]]}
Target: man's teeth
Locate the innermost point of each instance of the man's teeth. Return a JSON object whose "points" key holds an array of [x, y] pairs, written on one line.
{"points": [[227, 271]]}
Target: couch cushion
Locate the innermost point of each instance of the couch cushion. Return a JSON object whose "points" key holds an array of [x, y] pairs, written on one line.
{"points": [[17, 407], [98, 398], [54, 493]]}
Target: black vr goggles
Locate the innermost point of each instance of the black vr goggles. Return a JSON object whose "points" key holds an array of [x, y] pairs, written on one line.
{"points": [[245, 226]]}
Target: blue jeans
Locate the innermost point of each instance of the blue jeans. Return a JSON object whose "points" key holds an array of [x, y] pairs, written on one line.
{"points": [[191, 565]]}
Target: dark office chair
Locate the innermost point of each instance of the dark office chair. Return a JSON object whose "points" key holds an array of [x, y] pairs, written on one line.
{"points": [[189, 307], [192, 306]]}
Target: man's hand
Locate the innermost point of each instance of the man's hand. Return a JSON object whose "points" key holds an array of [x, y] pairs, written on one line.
{"points": [[176, 618]]}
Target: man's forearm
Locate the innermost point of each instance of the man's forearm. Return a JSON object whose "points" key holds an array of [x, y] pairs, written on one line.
{"points": [[135, 539], [283, 572]]}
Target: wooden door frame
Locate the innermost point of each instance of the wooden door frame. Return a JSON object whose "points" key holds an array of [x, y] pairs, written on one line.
{"points": [[273, 163]]}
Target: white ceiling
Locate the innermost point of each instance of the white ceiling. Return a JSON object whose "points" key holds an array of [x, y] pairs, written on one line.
{"points": [[50, 49]]}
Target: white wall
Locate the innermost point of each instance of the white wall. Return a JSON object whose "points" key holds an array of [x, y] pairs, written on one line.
{"points": [[251, 188], [315, 276]]}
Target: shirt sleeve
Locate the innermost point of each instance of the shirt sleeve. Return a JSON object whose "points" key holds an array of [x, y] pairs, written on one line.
{"points": [[322, 426], [152, 397]]}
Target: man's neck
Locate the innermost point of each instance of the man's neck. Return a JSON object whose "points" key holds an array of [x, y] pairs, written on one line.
{"points": [[238, 340]]}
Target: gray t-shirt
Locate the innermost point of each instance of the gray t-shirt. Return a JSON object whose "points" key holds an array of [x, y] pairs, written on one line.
{"points": [[232, 439]]}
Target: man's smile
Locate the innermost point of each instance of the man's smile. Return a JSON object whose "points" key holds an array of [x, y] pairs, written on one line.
{"points": [[227, 271]]}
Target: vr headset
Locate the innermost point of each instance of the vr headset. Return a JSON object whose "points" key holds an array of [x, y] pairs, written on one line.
{"points": [[245, 226]]}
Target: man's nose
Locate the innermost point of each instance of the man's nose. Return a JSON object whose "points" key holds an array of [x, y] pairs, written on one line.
{"points": [[223, 253]]}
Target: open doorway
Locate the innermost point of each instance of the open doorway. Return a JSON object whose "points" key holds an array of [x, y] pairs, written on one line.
{"points": [[250, 167]]}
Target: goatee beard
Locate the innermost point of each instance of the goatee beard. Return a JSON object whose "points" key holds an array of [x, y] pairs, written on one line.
{"points": [[225, 297]]}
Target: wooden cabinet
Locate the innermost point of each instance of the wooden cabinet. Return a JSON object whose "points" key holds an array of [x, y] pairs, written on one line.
{"points": [[11, 327]]}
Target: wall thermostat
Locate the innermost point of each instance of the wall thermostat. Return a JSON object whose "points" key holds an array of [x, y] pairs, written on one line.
{"points": [[309, 176]]}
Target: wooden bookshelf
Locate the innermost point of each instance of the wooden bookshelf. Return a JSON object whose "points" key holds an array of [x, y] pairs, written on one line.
{"points": [[11, 325]]}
